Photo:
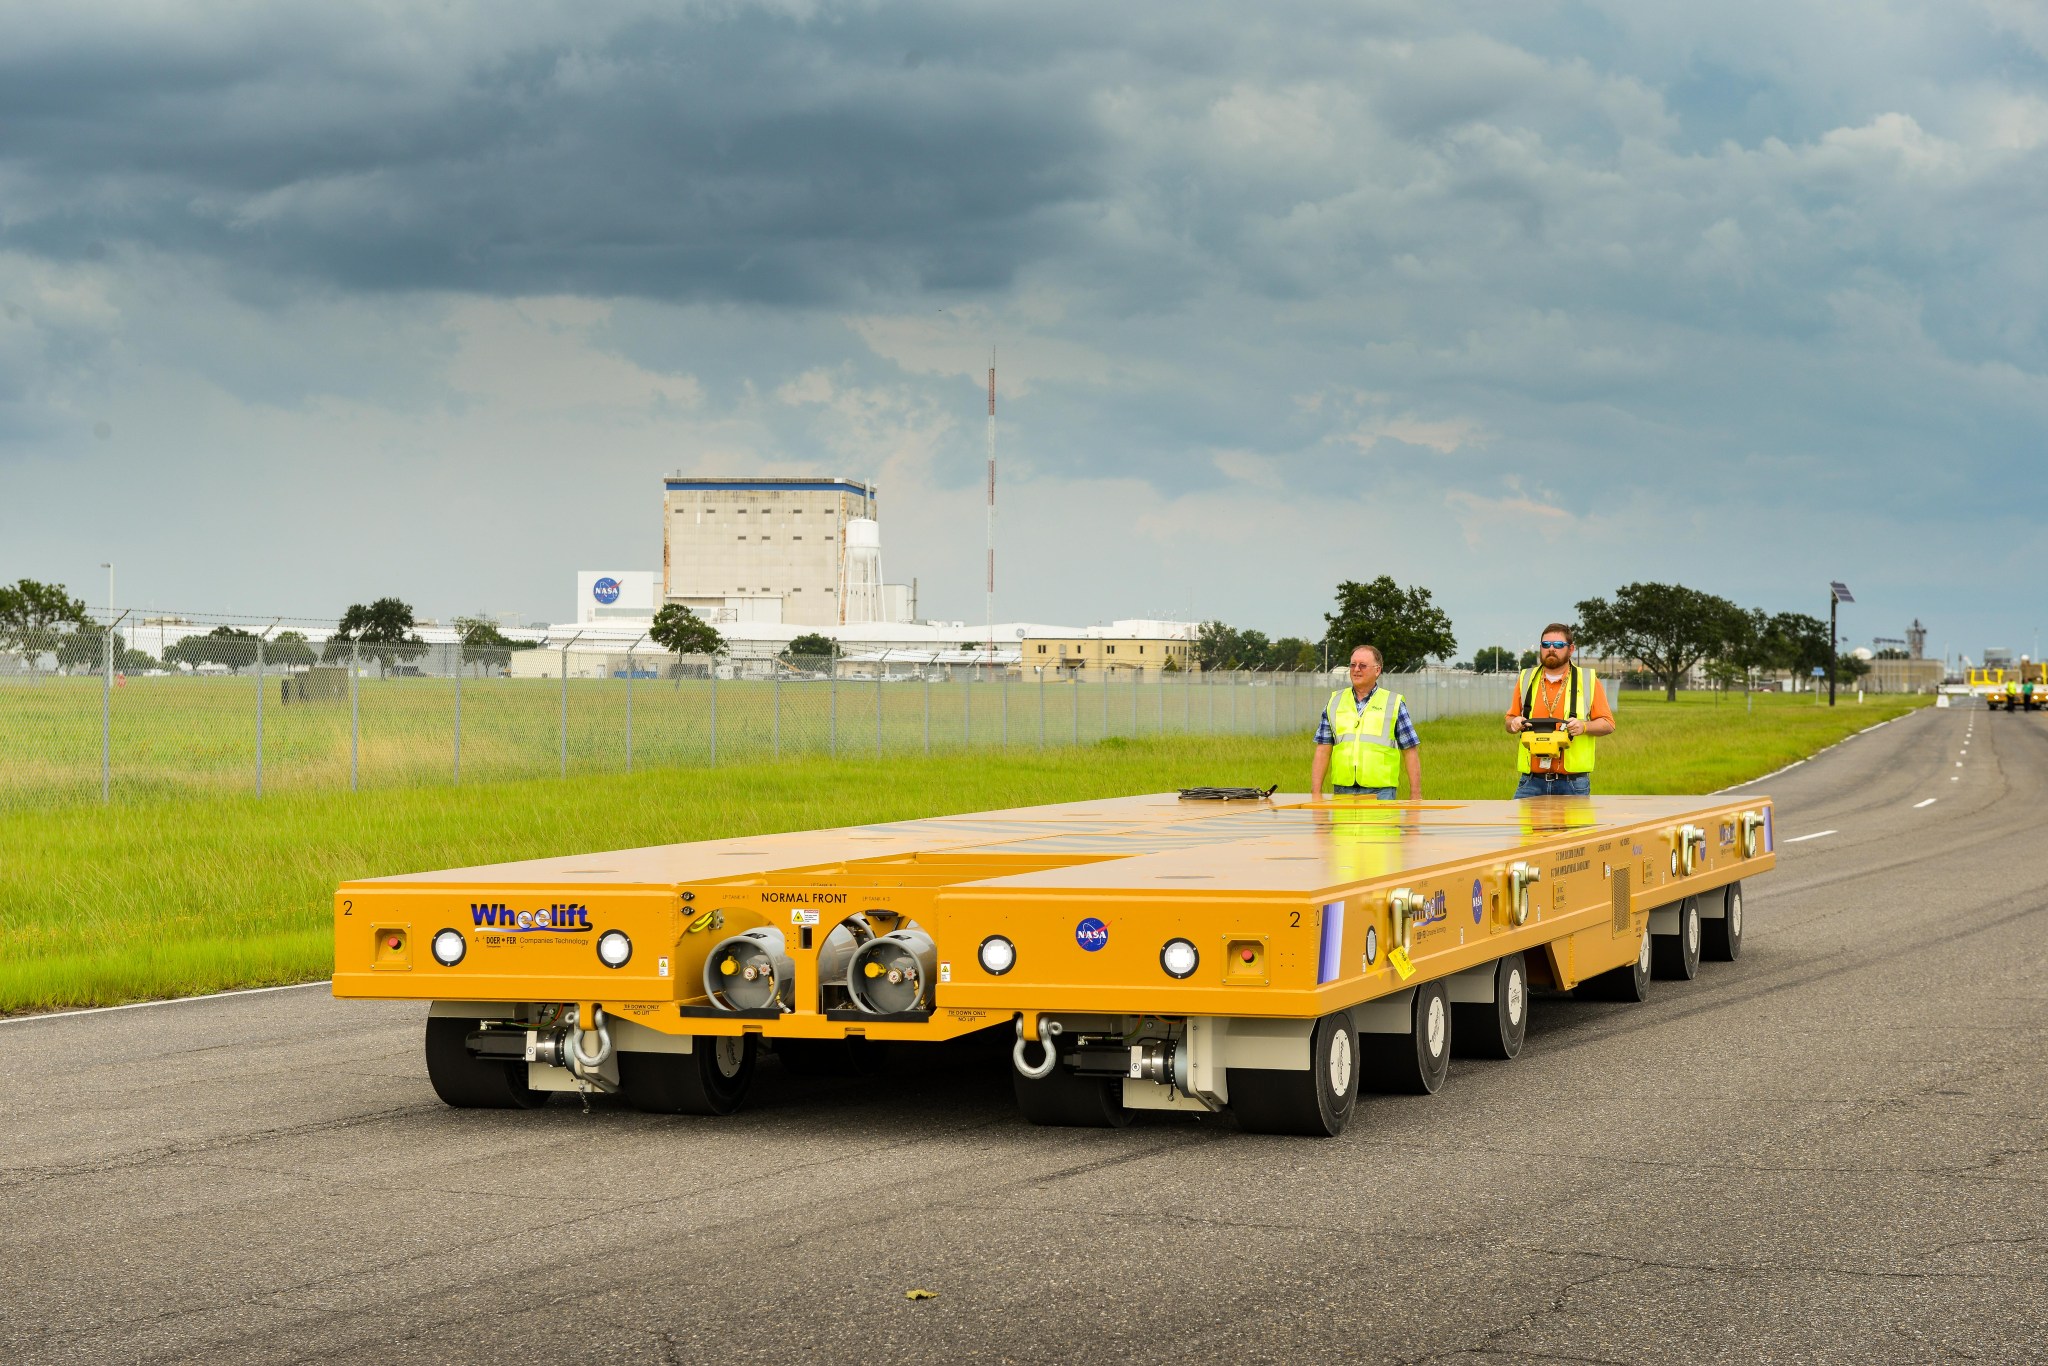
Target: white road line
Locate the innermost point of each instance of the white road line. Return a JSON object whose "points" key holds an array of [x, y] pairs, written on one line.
{"points": [[1959, 763], [144, 1005], [1800, 839], [1929, 802]]}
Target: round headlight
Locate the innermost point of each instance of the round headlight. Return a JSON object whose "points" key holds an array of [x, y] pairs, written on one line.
{"points": [[997, 954], [1179, 958], [613, 948], [449, 946]]}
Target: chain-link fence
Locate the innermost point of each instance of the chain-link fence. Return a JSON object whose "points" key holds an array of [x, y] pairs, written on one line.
{"points": [[152, 710]]}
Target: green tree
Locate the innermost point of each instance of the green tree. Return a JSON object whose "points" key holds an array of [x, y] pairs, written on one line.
{"points": [[31, 612], [227, 645], [1401, 623], [1746, 646], [811, 645], [381, 629], [484, 645], [678, 629], [1217, 646], [1292, 654], [1530, 659], [1494, 659], [289, 650], [83, 650], [1666, 627]]}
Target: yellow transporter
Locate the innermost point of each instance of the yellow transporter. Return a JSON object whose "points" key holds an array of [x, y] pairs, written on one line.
{"points": [[1268, 957]]}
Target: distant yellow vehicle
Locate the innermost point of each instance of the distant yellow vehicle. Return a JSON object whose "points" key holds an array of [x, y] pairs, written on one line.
{"points": [[2022, 689], [1268, 957]]}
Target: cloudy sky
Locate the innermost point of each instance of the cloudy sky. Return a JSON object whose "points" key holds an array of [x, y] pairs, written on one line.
{"points": [[1517, 301]]}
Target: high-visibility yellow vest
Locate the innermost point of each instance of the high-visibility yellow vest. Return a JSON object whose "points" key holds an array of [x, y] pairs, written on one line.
{"points": [[1366, 754], [1578, 755]]}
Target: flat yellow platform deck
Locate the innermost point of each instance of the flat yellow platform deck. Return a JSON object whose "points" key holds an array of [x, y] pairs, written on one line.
{"points": [[1292, 909]]}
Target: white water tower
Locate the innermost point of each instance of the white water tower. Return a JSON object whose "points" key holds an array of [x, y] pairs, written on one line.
{"points": [[860, 579]]}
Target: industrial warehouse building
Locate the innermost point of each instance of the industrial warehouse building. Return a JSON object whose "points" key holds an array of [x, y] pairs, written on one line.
{"points": [[800, 552]]}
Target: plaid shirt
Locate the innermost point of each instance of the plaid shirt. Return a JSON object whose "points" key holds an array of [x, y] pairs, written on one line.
{"points": [[1404, 727]]}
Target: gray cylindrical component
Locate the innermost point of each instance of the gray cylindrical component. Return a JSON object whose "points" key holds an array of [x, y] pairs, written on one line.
{"points": [[751, 971], [893, 973], [835, 955]]}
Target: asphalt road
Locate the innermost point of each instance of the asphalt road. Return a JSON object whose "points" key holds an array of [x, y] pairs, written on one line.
{"points": [[1833, 1149]]}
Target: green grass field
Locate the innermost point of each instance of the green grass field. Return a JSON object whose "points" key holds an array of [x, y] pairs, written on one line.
{"points": [[144, 899], [195, 736]]}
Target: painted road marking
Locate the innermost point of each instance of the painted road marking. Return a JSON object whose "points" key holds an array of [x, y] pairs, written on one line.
{"points": [[145, 1005], [1929, 802], [1798, 839]]}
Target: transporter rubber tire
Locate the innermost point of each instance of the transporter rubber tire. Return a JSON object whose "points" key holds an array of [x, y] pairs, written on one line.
{"points": [[1417, 1062], [713, 1078], [1721, 936], [831, 1057], [467, 1082], [1064, 1098], [1495, 1029], [1676, 957], [1630, 982], [1317, 1103]]}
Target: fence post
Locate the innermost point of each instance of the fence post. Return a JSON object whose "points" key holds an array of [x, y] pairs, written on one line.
{"points": [[775, 726], [458, 715], [833, 688], [1004, 685], [712, 669], [927, 714], [629, 710], [879, 666], [1041, 707], [1105, 701], [967, 710], [1077, 706], [565, 711], [259, 716], [107, 723], [355, 718]]}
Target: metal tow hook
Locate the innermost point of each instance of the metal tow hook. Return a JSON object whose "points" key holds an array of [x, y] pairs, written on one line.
{"points": [[1048, 1030], [604, 1039]]}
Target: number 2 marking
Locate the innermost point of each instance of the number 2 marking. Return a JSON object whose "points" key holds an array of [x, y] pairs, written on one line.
{"points": [[348, 908], [1297, 919]]}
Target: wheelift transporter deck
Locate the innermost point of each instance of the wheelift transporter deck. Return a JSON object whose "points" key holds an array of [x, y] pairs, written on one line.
{"points": [[1270, 958]]}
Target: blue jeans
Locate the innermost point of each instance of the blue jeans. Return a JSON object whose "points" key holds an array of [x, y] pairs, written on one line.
{"points": [[1555, 785], [1385, 794]]}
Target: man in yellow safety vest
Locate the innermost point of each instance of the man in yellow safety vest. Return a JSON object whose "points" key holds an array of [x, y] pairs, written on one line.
{"points": [[1561, 692], [1366, 737]]}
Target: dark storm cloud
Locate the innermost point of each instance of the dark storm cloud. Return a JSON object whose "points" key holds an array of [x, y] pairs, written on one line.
{"points": [[726, 153]]}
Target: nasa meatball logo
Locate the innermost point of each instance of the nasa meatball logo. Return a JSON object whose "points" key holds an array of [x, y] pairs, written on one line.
{"points": [[1091, 934], [1478, 901], [605, 590]]}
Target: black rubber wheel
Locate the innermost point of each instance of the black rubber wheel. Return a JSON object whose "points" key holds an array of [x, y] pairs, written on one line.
{"points": [[831, 1057], [1495, 1029], [1676, 957], [1316, 1103], [468, 1082], [1630, 982], [1417, 1062], [1721, 935], [711, 1079], [1067, 1099]]}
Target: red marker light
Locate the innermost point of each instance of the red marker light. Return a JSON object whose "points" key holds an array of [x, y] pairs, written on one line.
{"points": [[1247, 954], [393, 942]]}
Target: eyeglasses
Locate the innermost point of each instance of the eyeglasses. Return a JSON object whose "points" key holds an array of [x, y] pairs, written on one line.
{"points": [[1367, 665], [1556, 644]]}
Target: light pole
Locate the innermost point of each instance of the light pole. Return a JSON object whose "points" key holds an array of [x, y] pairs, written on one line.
{"points": [[1838, 593]]}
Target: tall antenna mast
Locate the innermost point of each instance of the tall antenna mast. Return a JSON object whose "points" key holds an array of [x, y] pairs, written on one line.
{"points": [[991, 503]]}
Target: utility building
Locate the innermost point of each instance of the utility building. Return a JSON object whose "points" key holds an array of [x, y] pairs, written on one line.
{"points": [[769, 550]]}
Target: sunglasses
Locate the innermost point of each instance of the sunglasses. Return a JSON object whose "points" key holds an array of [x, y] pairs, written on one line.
{"points": [[1555, 644]]}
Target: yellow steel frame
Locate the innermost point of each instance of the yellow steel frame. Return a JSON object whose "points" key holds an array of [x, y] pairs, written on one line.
{"points": [[1260, 889]]}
